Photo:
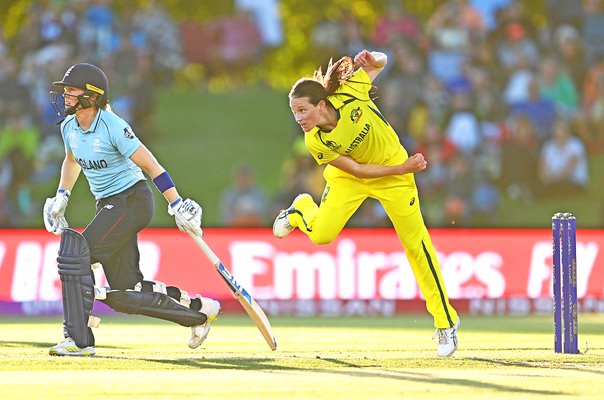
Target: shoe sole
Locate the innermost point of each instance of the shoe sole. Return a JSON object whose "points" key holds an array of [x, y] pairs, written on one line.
{"points": [[277, 220], [451, 353]]}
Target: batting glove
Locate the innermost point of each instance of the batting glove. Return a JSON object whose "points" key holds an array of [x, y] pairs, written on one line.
{"points": [[187, 215], [54, 212]]}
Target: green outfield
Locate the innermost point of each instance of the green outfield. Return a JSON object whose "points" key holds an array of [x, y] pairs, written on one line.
{"points": [[318, 359]]}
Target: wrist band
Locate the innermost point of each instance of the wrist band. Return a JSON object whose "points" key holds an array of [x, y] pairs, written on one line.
{"points": [[163, 182]]}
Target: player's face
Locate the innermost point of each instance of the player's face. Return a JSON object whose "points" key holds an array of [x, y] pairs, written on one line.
{"points": [[305, 113], [70, 94]]}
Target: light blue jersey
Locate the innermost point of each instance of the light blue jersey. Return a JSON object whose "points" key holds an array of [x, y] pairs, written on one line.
{"points": [[103, 152]]}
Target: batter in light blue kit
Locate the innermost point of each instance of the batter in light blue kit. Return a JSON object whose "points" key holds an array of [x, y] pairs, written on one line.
{"points": [[113, 159], [103, 151]]}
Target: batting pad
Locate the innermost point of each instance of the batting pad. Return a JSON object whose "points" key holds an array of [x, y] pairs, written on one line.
{"points": [[153, 304], [77, 287]]}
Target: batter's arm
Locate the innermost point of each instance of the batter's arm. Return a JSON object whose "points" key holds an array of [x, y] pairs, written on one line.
{"points": [[149, 164], [187, 213], [415, 163], [70, 171]]}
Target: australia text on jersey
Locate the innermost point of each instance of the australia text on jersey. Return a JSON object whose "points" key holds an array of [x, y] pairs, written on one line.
{"points": [[355, 143]]}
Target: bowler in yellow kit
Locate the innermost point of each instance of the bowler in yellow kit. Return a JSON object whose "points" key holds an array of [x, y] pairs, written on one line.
{"points": [[344, 129]]}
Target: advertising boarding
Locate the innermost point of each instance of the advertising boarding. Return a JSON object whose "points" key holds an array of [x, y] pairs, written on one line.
{"points": [[488, 271]]}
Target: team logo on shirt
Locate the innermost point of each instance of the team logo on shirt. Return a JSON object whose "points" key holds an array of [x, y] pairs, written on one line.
{"points": [[73, 140], [332, 145], [356, 114], [128, 134], [96, 145]]}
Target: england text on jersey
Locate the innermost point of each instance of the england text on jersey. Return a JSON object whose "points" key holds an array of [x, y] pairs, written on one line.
{"points": [[92, 164]]}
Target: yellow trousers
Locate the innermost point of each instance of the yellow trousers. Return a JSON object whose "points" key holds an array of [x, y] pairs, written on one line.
{"points": [[345, 193]]}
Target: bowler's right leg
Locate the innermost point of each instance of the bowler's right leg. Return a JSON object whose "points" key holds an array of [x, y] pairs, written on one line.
{"points": [[322, 223]]}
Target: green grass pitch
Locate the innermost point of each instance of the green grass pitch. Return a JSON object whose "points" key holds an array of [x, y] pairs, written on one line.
{"points": [[318, 359]]}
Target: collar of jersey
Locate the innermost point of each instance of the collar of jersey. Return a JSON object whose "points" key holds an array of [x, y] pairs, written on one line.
{"points": [[94, 125]]}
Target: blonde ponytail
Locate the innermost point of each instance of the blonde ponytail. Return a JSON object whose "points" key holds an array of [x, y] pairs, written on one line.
{"points": [[319, 86]]}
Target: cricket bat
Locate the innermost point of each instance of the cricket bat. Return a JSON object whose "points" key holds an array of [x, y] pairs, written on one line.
{"points": [[250, 306]]}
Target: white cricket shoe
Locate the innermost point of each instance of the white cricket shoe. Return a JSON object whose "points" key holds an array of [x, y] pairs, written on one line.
{"points": [[199, 333], [69, 348], [447, 340], [281, 226]]}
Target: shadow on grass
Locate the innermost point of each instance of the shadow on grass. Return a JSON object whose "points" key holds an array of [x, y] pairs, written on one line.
{"points": [[332, 366], [526, 364], [363, 371], [13, 344]]}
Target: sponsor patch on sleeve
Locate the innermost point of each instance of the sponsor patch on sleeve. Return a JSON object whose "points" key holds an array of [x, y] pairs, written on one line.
{"points": [[128, 134]]}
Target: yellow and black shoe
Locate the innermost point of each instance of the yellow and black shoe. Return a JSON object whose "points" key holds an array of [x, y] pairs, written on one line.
{"points": [[281, 226], [68, 348]]}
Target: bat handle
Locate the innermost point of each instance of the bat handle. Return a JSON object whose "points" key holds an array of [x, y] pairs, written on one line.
{"points": [[206, 249]]}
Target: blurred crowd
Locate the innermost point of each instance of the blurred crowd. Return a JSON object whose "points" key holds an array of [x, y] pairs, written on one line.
{"points": [[136, 47], [498, 105], [501, 104], [137, 44]]}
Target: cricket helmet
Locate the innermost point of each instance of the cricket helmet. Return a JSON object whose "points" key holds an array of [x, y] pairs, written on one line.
{"points": [[89, 78]]}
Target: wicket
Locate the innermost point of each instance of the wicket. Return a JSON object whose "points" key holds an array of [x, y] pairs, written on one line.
{"points": [[566, 327]]}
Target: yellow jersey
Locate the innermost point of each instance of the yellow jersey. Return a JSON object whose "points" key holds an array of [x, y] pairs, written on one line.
{"points": [[361, 133]]}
